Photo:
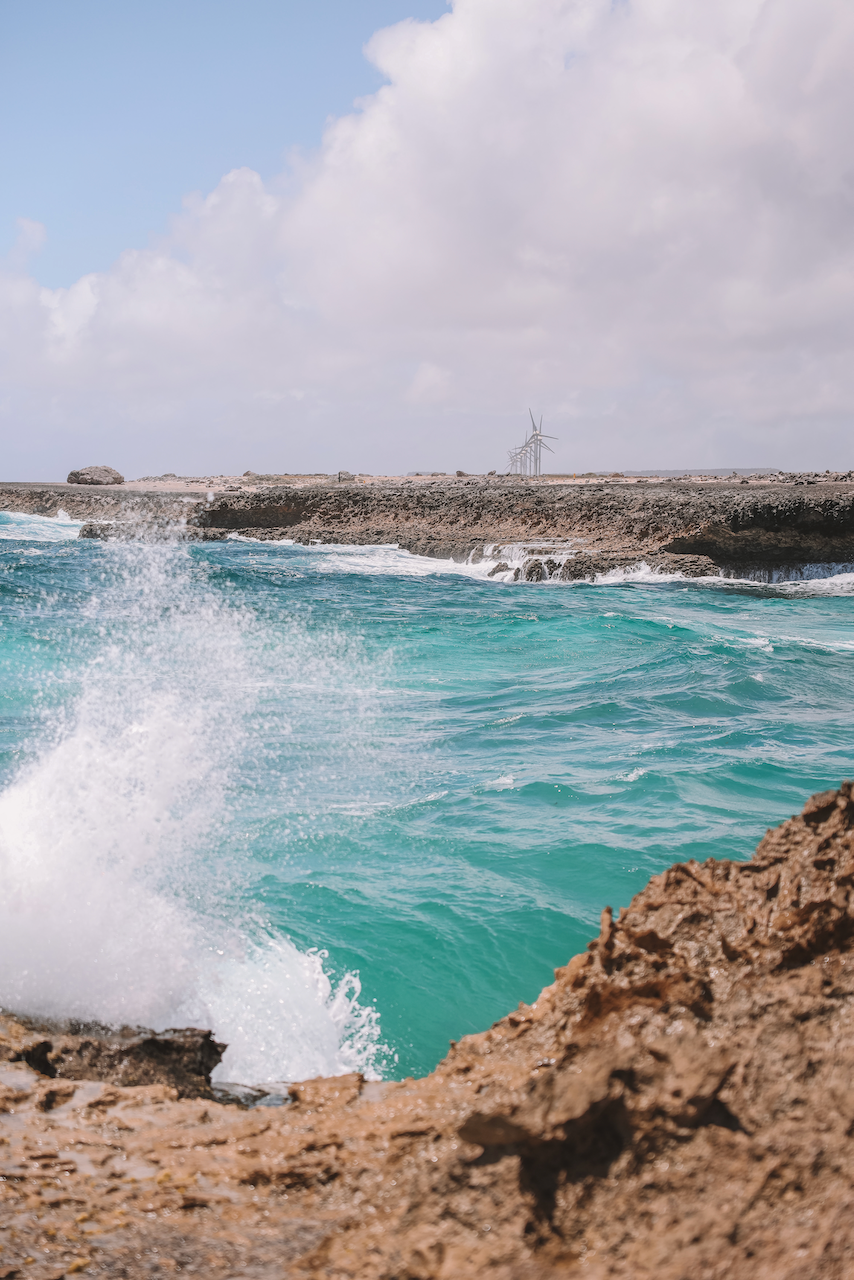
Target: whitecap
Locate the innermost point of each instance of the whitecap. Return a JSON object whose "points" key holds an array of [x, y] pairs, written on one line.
{"points": [[19, 526]]}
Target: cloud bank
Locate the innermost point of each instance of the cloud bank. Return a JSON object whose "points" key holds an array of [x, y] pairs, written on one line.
{"points": [[636, 216]]}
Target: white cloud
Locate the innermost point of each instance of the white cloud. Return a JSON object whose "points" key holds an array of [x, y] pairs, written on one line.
{"points": [[430, 385], [635, 217]]}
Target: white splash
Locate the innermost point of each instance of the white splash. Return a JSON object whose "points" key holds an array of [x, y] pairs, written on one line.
{"points": [[21, 527], [392, 560], [110, 908]]}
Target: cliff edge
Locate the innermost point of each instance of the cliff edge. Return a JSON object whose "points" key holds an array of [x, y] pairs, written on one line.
{"points": [[677, 1104], [548, 528]]}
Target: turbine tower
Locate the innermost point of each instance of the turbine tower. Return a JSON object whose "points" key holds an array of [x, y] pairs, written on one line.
{"points": [[527, 460]]}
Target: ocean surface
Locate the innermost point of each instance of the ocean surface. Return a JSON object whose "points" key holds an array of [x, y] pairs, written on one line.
{"points": [[345, 804]]}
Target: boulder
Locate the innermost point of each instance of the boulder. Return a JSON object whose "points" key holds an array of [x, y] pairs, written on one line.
{"points": [[95, 475]]}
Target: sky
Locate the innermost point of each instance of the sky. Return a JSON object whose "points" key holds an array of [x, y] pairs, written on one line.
{"points": [[111, 113], [369, 235]]}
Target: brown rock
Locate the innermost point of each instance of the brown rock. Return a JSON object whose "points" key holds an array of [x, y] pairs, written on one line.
{"points": [[762, 530], [678, 1104], [182, 1060], [95, 475]]}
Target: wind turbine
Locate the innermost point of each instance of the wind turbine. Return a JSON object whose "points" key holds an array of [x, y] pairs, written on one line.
{"points": [[527, 459]]}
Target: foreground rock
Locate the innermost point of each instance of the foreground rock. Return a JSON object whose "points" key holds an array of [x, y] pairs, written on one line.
{"points": [[677, 1105], [95, 475]]}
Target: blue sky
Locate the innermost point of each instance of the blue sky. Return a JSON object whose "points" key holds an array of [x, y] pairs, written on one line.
{"points": [[111, 111]]}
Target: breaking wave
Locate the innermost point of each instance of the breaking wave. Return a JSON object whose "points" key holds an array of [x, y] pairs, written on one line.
{"points": [[120, 844]]}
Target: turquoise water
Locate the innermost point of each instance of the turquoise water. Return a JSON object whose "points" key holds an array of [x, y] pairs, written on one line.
{"points": [[347, 804]]}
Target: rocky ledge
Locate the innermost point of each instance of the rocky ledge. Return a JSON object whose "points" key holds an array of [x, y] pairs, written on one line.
{"points": [[678, 1103], [565, 530], [541, 529]]}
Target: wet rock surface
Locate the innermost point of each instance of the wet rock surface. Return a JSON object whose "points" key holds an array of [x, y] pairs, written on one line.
{"points": [[677, 1104], [182, 1059], [148, 530], [725, 524]]}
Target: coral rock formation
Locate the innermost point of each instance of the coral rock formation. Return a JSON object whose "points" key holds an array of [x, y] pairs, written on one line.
{"points": [[678, 1104]]}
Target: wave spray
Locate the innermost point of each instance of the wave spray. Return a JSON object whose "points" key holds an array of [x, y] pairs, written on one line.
{"points": [[112, 907]]}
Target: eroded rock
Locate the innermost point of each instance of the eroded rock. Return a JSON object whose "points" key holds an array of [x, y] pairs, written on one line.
{"points": [[693, 528], [181, 1059], [95, 475]]}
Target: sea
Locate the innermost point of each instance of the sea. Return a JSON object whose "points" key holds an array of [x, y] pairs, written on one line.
{"points": [[343, 805]]}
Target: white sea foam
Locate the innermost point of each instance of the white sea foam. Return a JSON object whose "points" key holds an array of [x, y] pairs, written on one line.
{"points": [[20, 527], [632, 776], [500, 783], [816, 580], [110, 907], [374, 561], [390, 559]]}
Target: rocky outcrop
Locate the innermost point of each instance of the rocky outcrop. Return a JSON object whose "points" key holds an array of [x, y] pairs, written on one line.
{"points": [[757, 530], [95, 475], [106, 503], [678, 1103], [733, 528], [129, 1056], [148, 530]]}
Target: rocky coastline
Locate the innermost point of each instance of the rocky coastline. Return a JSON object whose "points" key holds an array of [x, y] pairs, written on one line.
{"points": [[548, 528], [677, 1103]]}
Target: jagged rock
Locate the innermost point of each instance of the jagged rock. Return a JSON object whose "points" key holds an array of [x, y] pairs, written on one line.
{"points": [[689, 527], [677, 1105], [95, 475], [684, 525], [534, 571], [151, 530], [181, 1059]]}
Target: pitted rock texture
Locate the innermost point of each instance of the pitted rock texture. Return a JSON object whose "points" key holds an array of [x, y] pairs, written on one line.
{"points": [[182, 1059], [758, 530], [112, 503], [148, 530], [747, 529], [678, 1104], [95, 475]]}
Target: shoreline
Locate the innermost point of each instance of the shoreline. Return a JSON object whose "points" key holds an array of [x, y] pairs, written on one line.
{"points": [[676, 1103], [552, 527]]}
